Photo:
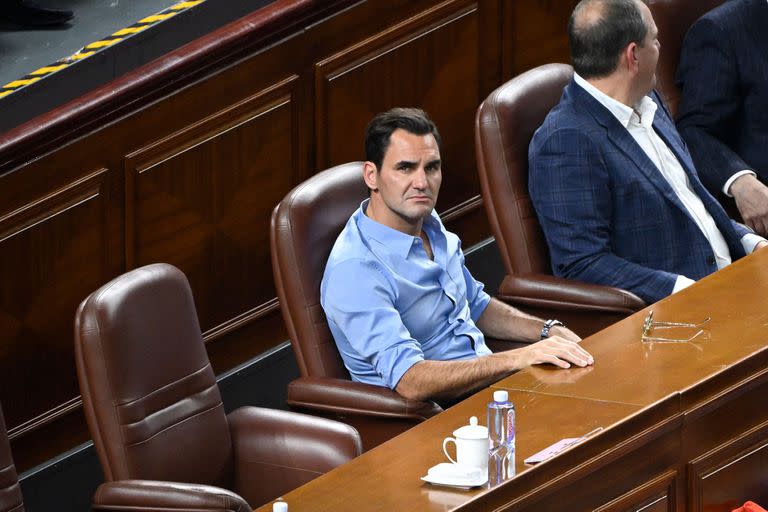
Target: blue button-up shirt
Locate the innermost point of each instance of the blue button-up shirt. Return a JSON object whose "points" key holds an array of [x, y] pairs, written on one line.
{"points": [[389, 306]]}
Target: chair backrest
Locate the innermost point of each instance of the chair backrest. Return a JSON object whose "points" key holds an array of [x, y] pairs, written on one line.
{"points": [[504, 126], [305, 226], [10, 492], [149, 393], [673, 19]]}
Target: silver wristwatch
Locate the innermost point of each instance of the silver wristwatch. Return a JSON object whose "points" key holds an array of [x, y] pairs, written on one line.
{"points": [[548, 326]]}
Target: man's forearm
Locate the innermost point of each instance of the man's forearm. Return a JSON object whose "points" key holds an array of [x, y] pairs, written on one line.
{"points": [[505, 322], [449, 379]]}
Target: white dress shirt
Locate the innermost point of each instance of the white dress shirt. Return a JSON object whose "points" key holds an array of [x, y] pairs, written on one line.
{"points": [[639, 124]]}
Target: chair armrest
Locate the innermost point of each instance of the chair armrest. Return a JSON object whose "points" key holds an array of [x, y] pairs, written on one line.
{"points": [[276, 451], [153, 495], [543, 290], [339, 396]]}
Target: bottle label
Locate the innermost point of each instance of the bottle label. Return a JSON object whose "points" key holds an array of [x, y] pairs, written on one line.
{"points": [[511, 425]]}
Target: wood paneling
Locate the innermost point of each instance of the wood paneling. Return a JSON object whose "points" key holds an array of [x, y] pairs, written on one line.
{"points": [[183, 160], [658, 495], [201, 199], [735, 472], [538, 25], [53, 252]]}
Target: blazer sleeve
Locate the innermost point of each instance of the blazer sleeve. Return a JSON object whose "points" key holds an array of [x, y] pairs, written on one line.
{"points": [[569, 184], [711, 103]]}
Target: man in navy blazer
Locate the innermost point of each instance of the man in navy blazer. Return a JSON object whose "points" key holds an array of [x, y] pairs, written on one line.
{"points": [[613, 185], [723, 74]]}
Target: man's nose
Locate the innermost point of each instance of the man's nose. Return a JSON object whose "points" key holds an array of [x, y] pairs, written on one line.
{"points": [[420, 178]]}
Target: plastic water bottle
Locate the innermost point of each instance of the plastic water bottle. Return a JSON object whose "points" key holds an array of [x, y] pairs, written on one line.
{"points": [[501, 438]]}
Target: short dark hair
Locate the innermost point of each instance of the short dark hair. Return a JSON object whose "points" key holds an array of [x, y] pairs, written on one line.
{"points": [[597, 45], [379, 130]]}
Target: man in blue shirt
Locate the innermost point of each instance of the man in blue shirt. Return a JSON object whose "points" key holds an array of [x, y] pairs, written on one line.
{"points": [[404, 310]]}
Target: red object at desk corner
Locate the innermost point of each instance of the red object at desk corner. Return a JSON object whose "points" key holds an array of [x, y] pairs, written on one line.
{"points": [[750, 506]]}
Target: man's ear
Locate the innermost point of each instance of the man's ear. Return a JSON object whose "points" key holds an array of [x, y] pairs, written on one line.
{"points": [[630, 56], [370, 175]]}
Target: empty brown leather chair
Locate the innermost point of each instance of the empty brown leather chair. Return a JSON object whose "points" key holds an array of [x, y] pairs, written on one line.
{"points": [[10, 492], [504, 126], [156, 416], [673, 19], [304, 228]]}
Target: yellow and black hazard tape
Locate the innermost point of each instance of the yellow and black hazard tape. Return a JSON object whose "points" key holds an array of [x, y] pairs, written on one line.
{"points": [[97, 46]]}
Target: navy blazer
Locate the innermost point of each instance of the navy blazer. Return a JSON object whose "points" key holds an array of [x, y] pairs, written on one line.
{"points": [[723, 74], [608, 214]]}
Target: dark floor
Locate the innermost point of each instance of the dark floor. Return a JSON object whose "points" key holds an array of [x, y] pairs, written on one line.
{"points": [[23, 51]]}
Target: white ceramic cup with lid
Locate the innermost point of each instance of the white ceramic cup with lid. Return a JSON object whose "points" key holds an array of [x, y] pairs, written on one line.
{"points": [[471, 445]]}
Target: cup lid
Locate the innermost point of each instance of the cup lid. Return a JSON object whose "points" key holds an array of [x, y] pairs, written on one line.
{"points": [[472, 431]]}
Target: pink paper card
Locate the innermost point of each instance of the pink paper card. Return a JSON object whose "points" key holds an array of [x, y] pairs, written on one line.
{"points": [[552, 450]]}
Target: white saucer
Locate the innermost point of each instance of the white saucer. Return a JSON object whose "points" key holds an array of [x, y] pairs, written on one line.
{"points": [[455, 475], [457, 483]]}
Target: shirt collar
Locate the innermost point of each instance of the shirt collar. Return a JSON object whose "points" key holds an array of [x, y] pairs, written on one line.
{"points": [[643, 113], [396, 241]]}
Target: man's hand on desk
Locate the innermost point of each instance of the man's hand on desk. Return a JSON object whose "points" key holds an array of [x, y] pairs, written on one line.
{"points": [[752, 201], [556, 351], [761, 245]]}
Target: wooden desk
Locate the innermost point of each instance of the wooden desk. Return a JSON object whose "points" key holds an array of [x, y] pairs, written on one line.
{"points": [[686, 424]]}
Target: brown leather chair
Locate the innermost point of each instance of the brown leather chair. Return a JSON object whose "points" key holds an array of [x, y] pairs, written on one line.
{"points": [[10, 492], [504, 126], [156, 416], [304, 228], [673, 19]]}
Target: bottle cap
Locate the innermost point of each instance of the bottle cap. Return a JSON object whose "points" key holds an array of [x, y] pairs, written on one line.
{"points": [[280, 506], [500, 395]]}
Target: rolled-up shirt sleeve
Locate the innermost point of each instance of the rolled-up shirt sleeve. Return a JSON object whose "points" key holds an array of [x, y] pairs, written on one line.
{"points": [[476, 297], [361, 302]]}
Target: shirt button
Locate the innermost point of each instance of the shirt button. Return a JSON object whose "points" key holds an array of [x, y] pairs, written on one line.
{"points": [[711, 260]]}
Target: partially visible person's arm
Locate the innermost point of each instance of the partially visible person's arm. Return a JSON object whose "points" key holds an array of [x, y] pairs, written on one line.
{"points": [[751, 197], [708, 118]]}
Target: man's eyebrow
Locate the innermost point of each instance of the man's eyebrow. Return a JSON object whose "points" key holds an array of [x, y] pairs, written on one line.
{"points": [[411, 164]]}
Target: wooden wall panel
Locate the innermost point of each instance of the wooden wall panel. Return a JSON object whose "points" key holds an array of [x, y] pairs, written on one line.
{"points": [[53, 252], [538, 26], [735, 472], [201, 199], [658, 495]]}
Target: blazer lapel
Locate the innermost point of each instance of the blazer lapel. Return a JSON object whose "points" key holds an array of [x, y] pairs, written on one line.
{"points": [[619, 136]]}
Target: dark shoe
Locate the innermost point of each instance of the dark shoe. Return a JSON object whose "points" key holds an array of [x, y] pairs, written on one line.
{"points": [[31, 15]]}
